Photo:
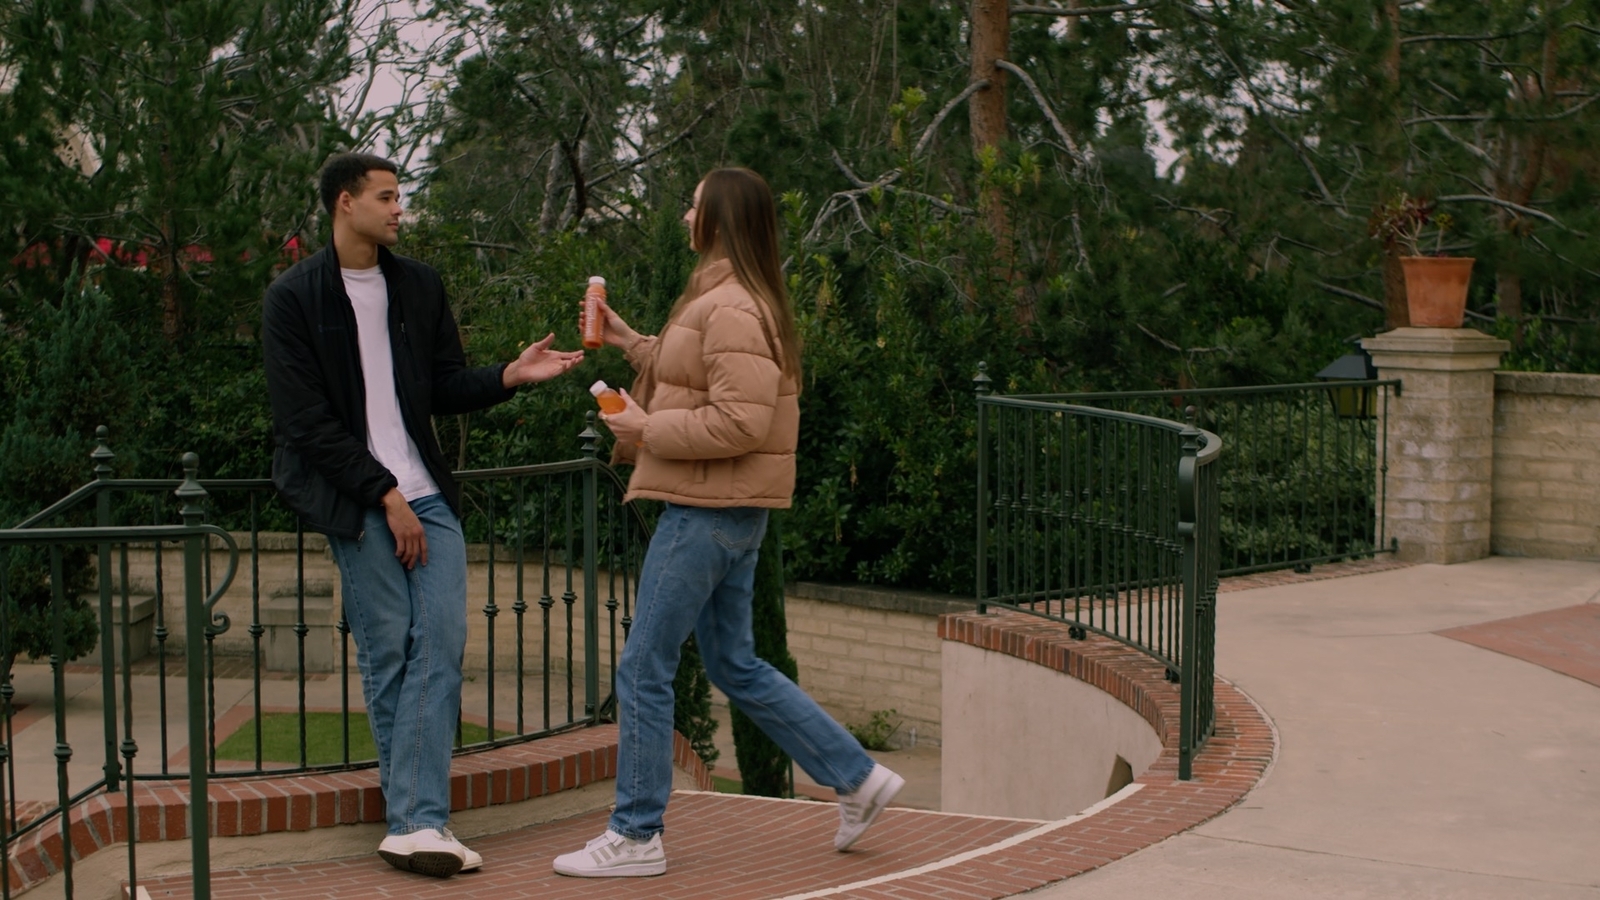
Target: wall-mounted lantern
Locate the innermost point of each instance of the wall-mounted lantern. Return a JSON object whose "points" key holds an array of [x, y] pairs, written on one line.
{"points": [[1352, 401]]}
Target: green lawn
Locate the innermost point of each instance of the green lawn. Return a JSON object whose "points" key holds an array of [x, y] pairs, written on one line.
{"points": [[280, 739]]}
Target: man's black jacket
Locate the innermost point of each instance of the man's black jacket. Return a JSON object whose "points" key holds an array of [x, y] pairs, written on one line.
{"points": [[320, 462]]}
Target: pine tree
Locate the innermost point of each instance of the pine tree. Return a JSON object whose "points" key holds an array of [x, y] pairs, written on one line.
{"points": [[691, 704], [763, 766], [181, 136], [81, 378]]}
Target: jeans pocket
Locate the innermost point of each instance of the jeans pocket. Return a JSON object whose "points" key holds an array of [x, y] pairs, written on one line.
{"points": [[739, 528]]}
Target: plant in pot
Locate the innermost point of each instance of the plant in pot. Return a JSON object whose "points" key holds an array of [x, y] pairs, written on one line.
{"points": [[1436, 284]]}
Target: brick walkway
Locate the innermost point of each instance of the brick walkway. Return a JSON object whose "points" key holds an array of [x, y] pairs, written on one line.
{"points": [[1562, 640], [718, 845], [744, 848]]}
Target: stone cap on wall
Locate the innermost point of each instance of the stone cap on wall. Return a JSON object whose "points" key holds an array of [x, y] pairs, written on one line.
{"points": [[1559, 383], [1442, 349], [923, 603]]}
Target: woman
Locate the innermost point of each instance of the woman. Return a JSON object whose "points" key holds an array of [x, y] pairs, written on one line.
{"points": [[713, 432]]}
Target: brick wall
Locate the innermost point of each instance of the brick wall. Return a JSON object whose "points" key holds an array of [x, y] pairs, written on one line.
{"points": [[861, 650], [1546, 488]]}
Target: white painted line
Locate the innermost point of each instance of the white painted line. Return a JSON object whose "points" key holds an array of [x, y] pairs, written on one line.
{"points": [[960, 858], [899, 809]]}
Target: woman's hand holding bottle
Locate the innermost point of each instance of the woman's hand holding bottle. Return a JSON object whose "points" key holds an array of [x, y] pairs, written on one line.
{"points": [[628, 423], [617, 332]]}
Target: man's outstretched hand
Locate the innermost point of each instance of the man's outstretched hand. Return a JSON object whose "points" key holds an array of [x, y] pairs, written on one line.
{"points": [[539, 363]]}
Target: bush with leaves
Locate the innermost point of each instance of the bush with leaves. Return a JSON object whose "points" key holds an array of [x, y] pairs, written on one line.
{"points": [[78, 377]]}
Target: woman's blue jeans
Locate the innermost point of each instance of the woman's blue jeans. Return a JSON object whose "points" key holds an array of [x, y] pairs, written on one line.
{"points": [[698, 576], [411, 631]]}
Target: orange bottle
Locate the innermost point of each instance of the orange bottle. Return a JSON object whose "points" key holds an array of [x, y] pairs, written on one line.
{"points": [[610, 401], [594, 334]]}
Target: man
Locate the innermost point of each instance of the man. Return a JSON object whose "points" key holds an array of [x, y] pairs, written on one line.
{"points": [[361, 351]]}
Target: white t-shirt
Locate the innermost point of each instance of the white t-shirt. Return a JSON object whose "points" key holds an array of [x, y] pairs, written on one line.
{"points": [[386, 430]]}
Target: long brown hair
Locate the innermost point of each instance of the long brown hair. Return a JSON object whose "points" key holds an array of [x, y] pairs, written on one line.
{"points": [[737, 218]]}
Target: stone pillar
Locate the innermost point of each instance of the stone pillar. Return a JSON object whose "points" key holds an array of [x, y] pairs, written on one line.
{"points": [[1440, 440]]}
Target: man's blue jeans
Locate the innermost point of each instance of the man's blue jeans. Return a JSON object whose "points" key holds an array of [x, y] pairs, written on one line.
{"points": [[411, 631], [698, 576]]}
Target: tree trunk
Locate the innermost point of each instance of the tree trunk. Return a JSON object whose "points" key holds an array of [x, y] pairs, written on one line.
{"points": [[1391, 55], [551, 209], [1508, 301], [1391, 151], [991, 40], [1395, 313], [986, 112], [1525, 161]]}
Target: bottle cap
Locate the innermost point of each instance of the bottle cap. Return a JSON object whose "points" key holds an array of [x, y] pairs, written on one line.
{"points": [[598, 388], [596, 279]]}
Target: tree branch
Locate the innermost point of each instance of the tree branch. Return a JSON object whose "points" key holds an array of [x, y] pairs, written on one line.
{"points": [[1423, 38], [1063, 11], [1298, 146], [1078, 155], [1514, 207], [1482, 154], [1423, 120], [1174, 347], [634, 164], [886, 182], [927, 133], [1362, 299]]}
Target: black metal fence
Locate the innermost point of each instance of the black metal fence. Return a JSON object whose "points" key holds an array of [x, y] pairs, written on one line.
{"points": [[1305, 470], [551, 548], [1107, 521]]}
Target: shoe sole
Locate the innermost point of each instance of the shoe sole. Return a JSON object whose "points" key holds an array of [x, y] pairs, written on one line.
{"points": [[632, 870], [880, 802], [437, 864]]}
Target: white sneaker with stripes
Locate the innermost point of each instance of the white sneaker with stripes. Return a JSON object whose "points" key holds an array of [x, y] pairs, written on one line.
{"points": [[859, 810], [612, 855]]}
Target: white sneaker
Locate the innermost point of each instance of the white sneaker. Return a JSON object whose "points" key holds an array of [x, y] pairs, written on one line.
{"points": [[430, 851], [858, 810], [474, 860], [612, 855]]}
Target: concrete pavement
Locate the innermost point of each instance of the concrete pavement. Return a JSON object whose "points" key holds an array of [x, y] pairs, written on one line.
{"points": [[1410, 765]]}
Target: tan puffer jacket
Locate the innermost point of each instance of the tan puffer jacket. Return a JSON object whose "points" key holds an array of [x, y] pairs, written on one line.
{"points": [[724, 421]]}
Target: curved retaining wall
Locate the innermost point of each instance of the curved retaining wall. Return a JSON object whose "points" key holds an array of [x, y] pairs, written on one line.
{"points": [[1027, 741]]}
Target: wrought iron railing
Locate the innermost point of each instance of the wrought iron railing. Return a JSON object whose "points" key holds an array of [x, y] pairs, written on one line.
{"points": [[550, 547], [1305, 470], [1107, 521]]}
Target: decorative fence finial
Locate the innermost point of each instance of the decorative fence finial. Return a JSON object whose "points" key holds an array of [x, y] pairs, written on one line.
{"points": [[590, 437], [102, 454], [190, 492]]}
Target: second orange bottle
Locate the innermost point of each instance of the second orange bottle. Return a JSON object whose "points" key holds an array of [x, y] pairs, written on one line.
{"points": [[607, 397]]}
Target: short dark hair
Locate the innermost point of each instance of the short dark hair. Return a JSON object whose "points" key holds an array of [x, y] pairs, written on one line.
{"points": [[348, 172]]}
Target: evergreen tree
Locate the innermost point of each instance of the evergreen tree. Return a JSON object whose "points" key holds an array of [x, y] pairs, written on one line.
{"points": [[691, 703], [80, 378], [763, 766], [176, 139]]}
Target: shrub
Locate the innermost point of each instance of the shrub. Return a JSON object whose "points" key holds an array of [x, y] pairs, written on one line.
{"points": [[80, 378], [763, 766]]}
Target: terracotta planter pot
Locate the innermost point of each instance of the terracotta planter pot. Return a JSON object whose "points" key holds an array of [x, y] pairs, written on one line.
{"points": [[1436, 289]]}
